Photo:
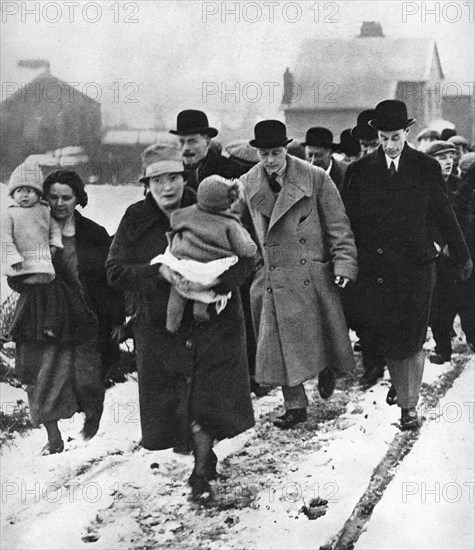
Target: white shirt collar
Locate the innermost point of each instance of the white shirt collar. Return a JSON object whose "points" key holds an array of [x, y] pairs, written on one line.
{"points": [[329, 167], [389, 160]]}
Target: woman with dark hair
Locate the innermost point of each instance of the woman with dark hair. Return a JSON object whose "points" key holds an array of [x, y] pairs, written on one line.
{"points": [[64, 374], [193, 383]]}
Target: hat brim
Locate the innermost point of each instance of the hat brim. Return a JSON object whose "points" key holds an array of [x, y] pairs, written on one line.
{"points": [[442, 151], [391, 126], [333, 146], [211, 132], [268, 144], [162, 167]]}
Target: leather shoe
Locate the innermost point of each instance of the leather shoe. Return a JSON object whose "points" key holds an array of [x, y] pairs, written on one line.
{"points": [[326, 383], [410, 419], [391, 397], [371, 377], [259, 390], [439, 359], [290, 418], [201, 491]]}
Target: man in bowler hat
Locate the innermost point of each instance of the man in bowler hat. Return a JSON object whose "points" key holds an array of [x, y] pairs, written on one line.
{"points": [[319, 148], [368, 136], [194, 135], [395, 199], [308, 252]]}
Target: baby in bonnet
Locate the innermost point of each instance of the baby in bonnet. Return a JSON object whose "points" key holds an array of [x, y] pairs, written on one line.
{"points": [[206, 240]]}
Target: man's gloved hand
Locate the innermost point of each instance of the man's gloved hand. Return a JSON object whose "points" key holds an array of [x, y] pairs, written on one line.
{"points": [[466, 270]]}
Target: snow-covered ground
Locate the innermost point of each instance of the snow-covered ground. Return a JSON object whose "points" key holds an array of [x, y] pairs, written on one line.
{"points": [[110, 493]]}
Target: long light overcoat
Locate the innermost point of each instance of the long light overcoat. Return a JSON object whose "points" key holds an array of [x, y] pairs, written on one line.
{"points": [[305, 239]]}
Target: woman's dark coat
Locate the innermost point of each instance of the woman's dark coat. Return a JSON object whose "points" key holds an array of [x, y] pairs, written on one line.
{"points": [[197, 374], [394, 222], [92, 248]]}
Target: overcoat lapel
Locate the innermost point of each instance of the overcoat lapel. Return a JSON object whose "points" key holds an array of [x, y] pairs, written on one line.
{"points": [[297, 185]]}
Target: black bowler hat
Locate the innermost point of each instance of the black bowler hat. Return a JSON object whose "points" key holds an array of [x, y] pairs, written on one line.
{"points": [[319, 137], [391, 115], [193, 122], [269, 134], [349, 144], [363, 130]]}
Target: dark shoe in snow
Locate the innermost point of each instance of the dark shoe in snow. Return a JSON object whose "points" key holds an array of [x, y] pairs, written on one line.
{"points": [[326, 383], [290, 418], [259, 390], [410, 419], [91, 425], [201, 491], [371, 377], [52, 448], [439, 359], [357, 346], [391, 397]]}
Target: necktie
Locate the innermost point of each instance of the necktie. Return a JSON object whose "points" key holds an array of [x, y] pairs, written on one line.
{"points": [[392, 169], [273, 183]]}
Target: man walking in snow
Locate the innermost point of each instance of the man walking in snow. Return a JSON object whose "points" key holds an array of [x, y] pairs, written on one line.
{"points": [[394, 197]]}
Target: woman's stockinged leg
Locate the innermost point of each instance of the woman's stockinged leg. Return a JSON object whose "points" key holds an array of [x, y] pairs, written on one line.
{"points": [[55, 441], [203, 452]]}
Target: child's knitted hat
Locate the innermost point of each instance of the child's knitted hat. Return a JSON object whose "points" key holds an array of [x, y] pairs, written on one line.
{"points": [[26, 175], [216, 193]]}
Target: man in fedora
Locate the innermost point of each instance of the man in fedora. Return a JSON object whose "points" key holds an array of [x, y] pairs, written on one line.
{"points": [[368, 136], [307, 250], [319, 148], [395, 199], [195, 134]]}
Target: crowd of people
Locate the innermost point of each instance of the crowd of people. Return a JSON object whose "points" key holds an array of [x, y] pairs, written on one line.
{"points": [[242, 271]]}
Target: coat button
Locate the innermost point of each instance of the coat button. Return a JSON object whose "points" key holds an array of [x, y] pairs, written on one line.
{"points": [[188, 379], [380, 280], [302, 241], [379, 251], [306, 282], [271, 268], [189, 344], [303, 261], [269, 289]]}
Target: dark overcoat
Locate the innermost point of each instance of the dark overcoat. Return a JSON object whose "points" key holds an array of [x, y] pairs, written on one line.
{"points": [[394, 222], [92, 247], [305, 240], [198, 373], [337, 173], [212, 164]]}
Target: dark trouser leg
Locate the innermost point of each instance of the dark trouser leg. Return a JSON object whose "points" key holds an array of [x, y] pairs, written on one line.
{"points": [[443, 310], [295, 397], [406, 376], [467, 309]]}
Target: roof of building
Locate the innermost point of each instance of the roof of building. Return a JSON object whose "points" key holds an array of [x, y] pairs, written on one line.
{"points": [[134, 137], [52, 93], [359, 72]]}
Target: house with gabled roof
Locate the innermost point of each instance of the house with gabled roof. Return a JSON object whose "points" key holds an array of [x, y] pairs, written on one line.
{"points": [[335, 79], [45, 114]]}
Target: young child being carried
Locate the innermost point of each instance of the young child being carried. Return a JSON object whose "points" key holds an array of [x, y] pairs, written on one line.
{"points": [[30, 238], [206, 240]]}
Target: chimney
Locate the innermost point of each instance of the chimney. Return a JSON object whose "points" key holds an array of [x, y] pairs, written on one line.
{"points": [[371, 29], [35, 64], [288, 86]]}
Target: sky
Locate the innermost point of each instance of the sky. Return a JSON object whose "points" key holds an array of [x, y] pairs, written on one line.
{"points": [[149, 59]]}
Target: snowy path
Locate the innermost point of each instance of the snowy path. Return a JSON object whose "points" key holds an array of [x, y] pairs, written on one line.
{"points": [[105, 494]]}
